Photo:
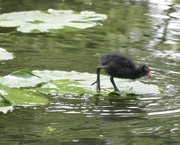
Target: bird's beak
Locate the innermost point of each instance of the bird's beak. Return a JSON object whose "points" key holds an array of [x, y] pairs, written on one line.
{"points": [[149, 73]]}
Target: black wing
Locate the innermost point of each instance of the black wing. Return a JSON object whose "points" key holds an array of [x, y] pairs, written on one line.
{"points": [[117, 60]]}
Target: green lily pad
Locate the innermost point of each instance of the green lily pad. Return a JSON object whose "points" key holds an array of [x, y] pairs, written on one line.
{"points": [[23, 74], [50, 20], [63, 87], [18, 97], [26, 88], [68, 82], [4, 102], [114, 95]]}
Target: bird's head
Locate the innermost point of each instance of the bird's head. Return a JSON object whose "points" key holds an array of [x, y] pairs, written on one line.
{"points": [[144, 71]]}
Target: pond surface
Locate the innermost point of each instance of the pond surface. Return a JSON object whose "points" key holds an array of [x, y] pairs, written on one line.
{"points": [[148, 31]]}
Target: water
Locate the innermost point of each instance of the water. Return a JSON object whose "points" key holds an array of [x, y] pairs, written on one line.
{"points": [[148, 31]]}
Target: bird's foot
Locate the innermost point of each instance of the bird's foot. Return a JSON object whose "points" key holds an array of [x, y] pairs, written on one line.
{"points": [[98, 86]]}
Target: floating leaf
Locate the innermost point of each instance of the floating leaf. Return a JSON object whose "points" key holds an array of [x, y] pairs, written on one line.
{"points": [[17, 97], [114, 95], [3, 101], [23, 74], [50, 20], [6, 109], [70, 81], [36, 83], [63, 87], [5, 55]]}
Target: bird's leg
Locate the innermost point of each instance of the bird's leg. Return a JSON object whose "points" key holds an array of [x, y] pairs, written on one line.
{"points": [[113, 83], [98, 78]]}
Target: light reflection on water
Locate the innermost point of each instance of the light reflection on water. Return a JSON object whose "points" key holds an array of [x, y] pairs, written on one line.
{"points": [[143, 106], [166, 20]]}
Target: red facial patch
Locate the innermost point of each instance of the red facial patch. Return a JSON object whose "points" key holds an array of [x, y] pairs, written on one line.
{"points": [[149, 73]]}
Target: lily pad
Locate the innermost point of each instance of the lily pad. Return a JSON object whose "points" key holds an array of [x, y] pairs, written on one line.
{"points": [[63, 87], [27, 88], [68, 82], [18, 97], [6, 109], [23, 74], [114, 95], [50, 20], [5, 55]]}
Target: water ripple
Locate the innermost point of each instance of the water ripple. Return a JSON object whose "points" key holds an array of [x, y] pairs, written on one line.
{"points": [[165, 112]]}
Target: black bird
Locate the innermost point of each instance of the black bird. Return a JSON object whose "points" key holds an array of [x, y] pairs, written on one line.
{"points": [[118, 65]]}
